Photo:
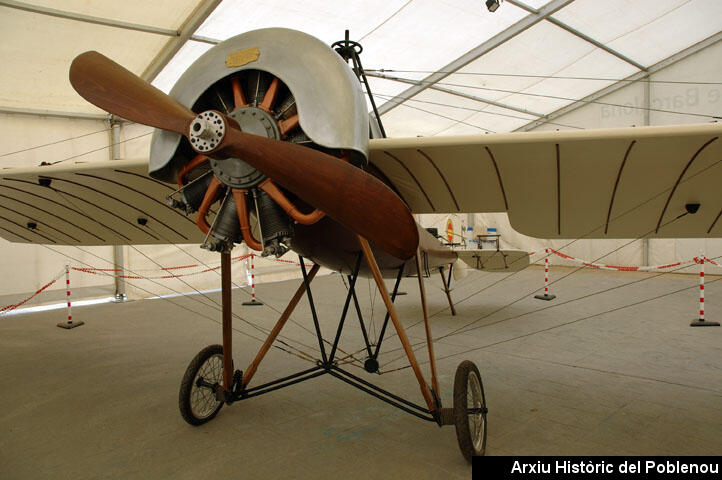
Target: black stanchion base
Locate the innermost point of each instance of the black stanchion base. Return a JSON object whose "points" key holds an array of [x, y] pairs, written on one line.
{"points": [[545, 297], [703, 323], [252, 303], [69, 325]]}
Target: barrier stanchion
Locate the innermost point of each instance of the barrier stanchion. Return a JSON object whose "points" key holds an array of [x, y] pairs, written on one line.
{"points": [[546, 295], [253, 301], [69, 324], [701, 322]]}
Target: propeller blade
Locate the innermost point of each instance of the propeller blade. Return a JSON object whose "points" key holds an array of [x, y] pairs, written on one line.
{"points": [[345, 193], [115, 89]]}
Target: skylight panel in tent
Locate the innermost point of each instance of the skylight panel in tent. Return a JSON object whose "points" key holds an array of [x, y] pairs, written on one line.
{"points": [[384, 90], [522, 71], [411, 120], [490, 119], [573, 82], [432, 112], [320, 18], [428, 35], [183, 59], [421, 36], [536, 4], [647, 31]]}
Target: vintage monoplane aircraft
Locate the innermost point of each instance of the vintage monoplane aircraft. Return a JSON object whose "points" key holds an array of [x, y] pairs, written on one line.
{"points": [[269, 157]]}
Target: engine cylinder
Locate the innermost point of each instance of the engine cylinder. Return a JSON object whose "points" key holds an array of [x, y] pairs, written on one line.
{"points": [[276, 226], [194, 192], [226, 227]]}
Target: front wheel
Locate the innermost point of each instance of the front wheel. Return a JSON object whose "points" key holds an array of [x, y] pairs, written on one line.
{"points": [[469, 410], [197, 397]]}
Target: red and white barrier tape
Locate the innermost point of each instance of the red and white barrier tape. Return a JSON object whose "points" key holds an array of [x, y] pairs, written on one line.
{"points": [[119, 272], [12, 307], [134, 274], [622, 268], [280, 260], [96, 271], [705, 260]]}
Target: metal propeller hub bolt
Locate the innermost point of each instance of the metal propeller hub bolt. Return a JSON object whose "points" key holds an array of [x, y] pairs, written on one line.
{"points": [[206, 131]]}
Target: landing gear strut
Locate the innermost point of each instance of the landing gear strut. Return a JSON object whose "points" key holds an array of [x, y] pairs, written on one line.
{"points": [[210, 380]]}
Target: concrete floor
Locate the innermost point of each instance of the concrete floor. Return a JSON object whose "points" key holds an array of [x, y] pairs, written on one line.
{"points": [[100, 401]]}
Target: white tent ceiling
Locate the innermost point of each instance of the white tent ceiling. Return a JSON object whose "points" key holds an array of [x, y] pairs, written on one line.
{"points": [[451, 66]]}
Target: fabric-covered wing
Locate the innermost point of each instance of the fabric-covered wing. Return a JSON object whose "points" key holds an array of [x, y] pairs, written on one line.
{"points": [[99, 203], [614, 183]]}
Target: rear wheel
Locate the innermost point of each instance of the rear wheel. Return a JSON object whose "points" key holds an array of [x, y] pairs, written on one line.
{"points": [[469, 410], [197, 396]]}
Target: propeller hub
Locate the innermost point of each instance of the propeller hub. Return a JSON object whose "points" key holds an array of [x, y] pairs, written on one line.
{"points": [[256, 121], [234, 172], [206, 131]]}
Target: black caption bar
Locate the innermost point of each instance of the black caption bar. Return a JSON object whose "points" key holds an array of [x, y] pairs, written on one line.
{"points": [[597, 467]]}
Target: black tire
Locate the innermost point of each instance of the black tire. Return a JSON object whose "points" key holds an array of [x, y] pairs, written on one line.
{"points": [[198, 404], [470, 427]]}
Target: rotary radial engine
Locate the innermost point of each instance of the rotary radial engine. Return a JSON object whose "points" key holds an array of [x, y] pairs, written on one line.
{"points": [[276, 83]]}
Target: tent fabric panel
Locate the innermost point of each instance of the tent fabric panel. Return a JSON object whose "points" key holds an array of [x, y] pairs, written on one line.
{"points": [[30, 140], [42, 49], [409, 119], [646, 31], [547, 51], [170, 14]]}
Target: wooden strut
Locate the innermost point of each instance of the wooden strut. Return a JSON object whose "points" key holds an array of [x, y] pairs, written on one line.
{"points": [[373, 266], [446, 289], [429, 341], [227, 316], [251, 370]]}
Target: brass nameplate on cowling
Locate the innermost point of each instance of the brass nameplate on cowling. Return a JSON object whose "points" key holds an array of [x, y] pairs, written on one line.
{"points": [[242, 57]]}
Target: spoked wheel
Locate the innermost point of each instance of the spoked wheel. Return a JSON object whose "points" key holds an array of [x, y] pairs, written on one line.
{"points": [[197, 397], [469, 410]]}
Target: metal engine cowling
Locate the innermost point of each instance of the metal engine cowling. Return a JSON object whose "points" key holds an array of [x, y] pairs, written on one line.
{"points": [[277, 83]]}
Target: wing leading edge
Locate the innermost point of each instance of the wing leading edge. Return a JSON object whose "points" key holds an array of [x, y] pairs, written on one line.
{"points": [[612, 183]]}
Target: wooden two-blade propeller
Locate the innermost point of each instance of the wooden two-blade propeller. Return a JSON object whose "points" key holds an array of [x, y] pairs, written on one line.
{"points": [[346, 193]]}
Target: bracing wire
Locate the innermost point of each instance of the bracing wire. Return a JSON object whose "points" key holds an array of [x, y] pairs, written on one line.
{"points": [[101, 148], [541, 95], [299, 354], [545, 77], [264, 301], [587, 317], [402, 103], [716, 163], [465, 329], [56, 142], [214, 304]]}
